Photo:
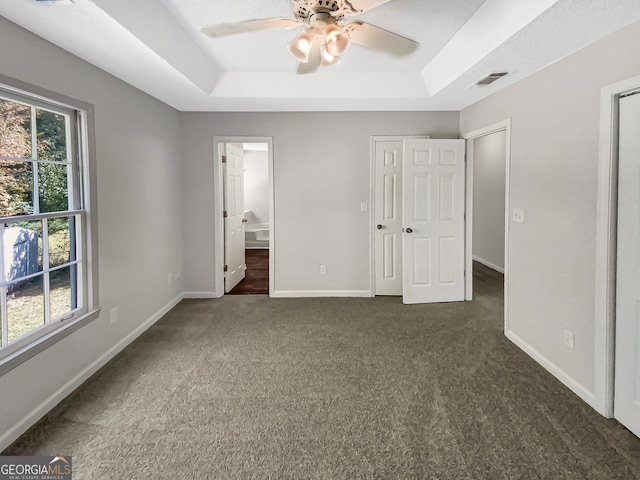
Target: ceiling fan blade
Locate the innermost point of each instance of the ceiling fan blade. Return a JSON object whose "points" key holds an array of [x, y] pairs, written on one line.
{"points": [[224, 29], [314, 62], [364, 5], [381, 40]]}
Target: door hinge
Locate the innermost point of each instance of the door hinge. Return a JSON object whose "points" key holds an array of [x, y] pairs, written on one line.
{"points": [[226, 268], [224, 159], [224, 214]]}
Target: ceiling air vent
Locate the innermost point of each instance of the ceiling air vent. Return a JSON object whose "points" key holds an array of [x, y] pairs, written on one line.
{"points": [[55, 2], [492, 77]]}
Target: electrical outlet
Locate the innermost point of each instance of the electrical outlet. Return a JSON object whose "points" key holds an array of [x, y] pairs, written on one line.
{"points": [[113, 315], [323, 269], [364, 206], [169, 278], [569, 339], [518, 215]]}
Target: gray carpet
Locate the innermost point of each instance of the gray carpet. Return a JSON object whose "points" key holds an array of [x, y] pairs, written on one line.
{"points": [[249, 387]]}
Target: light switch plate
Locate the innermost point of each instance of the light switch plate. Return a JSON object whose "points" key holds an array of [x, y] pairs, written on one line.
{"points": [[364, 207], [518, 215]]}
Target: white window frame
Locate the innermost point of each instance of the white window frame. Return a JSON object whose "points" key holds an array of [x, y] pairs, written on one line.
{"points": [[82, 179]]}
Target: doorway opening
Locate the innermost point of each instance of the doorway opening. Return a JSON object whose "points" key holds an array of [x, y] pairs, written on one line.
{"points": [[244, 233], [256, 220], [487, 207]]}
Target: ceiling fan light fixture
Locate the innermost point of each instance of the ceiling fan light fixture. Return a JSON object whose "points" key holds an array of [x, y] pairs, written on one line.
{"points": [[337, 40], [300, 47], [326, 37]]}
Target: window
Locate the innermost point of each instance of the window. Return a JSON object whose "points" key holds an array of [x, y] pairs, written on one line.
{"points": [[45, 271]]}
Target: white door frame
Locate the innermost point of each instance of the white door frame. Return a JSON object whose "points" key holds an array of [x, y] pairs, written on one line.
{"points": [[605, 258], [218, 219], [504, 125], [372, 202]]}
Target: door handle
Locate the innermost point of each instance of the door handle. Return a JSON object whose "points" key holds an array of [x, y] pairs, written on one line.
{"points": [[244, 220], [408, 230], [379, 227]]}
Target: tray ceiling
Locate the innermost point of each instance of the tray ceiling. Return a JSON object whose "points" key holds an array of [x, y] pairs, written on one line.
{"points": [[156, 46]]}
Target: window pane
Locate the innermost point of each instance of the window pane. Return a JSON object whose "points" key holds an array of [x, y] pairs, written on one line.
{"points": [[22, 249], [62, 244], [15, 129], [64, 291], [16, 188], [53, 187], [25, 307], [52, 137]]}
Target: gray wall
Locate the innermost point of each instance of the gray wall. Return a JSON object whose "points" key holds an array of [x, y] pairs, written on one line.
{"points": [[139, 202], [321, 174], [554, 154], [489, 167], [256, 186]]}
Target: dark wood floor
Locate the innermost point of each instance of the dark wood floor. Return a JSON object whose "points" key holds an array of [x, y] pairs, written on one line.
{"points": [[256, 280]]}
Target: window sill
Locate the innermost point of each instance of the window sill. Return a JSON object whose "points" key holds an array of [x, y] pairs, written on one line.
{"points": [[17, 358]]}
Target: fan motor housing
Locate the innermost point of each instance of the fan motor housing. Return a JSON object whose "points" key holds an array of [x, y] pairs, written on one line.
{"points": [[308, 11]]}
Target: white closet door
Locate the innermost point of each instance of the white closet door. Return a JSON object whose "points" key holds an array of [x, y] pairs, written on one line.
{"points": [[627, 364], [433, 220], [388, 218]]}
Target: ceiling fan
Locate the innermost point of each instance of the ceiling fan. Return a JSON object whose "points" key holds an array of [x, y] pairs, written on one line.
{"points": [[325, 37]]}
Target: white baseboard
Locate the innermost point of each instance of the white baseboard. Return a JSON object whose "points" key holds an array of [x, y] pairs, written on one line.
{"points": [[575, 386], [41, 410], [202, 295], [488, 264], [320, 293]]}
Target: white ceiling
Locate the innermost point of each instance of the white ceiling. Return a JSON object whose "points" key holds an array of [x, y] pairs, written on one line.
{"points": [[156, 46]]}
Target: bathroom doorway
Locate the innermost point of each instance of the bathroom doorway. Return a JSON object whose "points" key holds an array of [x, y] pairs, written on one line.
{"points": [[256, 220], [233, 218]]}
